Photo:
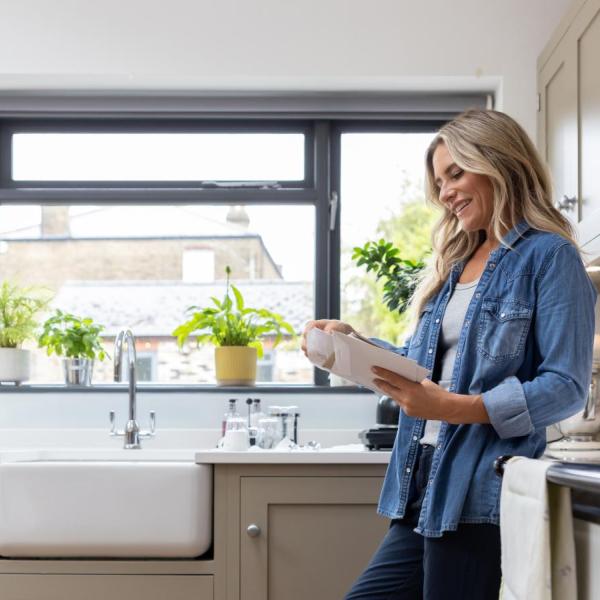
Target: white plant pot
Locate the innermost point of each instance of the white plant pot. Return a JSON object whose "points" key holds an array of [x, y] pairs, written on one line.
{"points": [[14, 365]]}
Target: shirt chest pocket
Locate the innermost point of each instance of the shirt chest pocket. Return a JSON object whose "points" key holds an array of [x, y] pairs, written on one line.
{"points": [[503, 328], [422, 328]]}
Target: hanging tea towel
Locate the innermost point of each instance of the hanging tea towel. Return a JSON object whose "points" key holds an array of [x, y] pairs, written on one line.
{"points": [[536, 528]]}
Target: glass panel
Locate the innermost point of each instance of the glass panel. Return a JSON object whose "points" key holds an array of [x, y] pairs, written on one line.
{"points": [[130, 266], [158, 156], [381, 197]]}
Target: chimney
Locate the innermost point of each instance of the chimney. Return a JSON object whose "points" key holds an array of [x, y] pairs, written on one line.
{"points": [[55, 221], [238, 216]]}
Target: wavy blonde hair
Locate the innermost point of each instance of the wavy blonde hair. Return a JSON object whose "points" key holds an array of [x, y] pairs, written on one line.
{"points": [[493, 144]]}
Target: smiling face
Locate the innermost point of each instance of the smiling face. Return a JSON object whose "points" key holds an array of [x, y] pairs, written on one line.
{"points": [[469, 196]]}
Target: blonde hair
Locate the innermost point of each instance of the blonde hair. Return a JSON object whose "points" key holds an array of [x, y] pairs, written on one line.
{"points": [[493, 144]]}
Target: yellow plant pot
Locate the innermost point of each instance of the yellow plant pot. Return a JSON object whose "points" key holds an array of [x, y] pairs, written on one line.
{"points": [[235, 365]]}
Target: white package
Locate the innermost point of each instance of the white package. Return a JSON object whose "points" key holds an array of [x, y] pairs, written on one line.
{"points": [[352, 357]]}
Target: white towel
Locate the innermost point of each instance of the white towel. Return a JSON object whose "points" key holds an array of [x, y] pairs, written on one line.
{"points": [[536, 528]]}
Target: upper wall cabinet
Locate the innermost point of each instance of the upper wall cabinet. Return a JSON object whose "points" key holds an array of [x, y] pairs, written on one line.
{"points": [[569, 118]]}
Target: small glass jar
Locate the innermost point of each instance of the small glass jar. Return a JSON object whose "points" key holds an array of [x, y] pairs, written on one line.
{"points": [[268, 434], [287, 417]]}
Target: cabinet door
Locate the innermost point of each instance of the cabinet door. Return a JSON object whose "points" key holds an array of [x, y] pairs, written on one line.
{"points": [[587, 33], [103, 587], [587, 554], [558, 143], [313, 535], [569, 120]]}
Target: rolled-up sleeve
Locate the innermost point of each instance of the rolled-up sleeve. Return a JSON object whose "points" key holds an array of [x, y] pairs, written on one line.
{"points": [[563, 330]]}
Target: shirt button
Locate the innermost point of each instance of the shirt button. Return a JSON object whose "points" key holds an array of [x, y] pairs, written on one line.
{"points": [[477, 295], [502, 315], [430, 481], [437, 320], [430, 350], [408, 469], [439, 447], [466, 322], [415, 438], [492, 265]]}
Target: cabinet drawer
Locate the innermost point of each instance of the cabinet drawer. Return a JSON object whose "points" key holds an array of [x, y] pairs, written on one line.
{"points": [[101, 587]]}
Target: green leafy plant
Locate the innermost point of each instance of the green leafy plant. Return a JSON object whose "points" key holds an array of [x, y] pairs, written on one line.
{"points": [[400, 276], [19, 307], [229, 324], [66, 335]]}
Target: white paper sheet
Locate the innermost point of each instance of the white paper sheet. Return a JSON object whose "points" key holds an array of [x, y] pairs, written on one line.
{"points": [[352, 356]]}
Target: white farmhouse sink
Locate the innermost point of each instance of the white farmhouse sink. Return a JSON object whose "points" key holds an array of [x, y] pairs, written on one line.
{"points": [[104, 503]]}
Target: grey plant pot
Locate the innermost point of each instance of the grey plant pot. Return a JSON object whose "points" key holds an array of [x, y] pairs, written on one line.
{"points": [[78, 371]]}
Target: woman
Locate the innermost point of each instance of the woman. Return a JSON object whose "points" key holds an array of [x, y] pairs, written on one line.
{"points": [[506, 324]]}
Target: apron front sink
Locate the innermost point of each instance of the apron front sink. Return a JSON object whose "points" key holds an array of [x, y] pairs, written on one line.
{"points": [[133, 503]]}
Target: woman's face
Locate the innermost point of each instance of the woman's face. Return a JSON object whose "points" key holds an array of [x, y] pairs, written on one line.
{"points": [[468, 195]]}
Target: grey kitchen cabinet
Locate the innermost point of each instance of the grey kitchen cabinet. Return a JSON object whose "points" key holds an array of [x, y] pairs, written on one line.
{"points": [[100, 587], [300, 531], [587, 549], [569, 117], [99, 579]]}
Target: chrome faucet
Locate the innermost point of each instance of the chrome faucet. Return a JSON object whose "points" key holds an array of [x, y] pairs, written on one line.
{"points": [[131, 433]]}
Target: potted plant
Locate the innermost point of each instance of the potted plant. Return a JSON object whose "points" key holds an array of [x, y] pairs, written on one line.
{"points": [[76, 339], [235, 330], [19, 307]]}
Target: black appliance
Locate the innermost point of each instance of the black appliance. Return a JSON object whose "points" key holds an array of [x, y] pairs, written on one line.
{"points": [[382, 436]]}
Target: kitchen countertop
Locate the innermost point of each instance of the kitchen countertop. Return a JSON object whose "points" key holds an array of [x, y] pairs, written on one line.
{"points": [[355, 454]]}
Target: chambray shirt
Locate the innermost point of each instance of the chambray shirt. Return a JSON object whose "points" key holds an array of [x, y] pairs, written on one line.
{"points": [[526, 344]]}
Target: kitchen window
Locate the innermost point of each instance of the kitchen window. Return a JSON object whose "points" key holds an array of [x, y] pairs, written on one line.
{"points": [[131, 216]]}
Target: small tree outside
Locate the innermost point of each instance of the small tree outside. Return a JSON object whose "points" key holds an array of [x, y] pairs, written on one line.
{"points": [[409, 230]]}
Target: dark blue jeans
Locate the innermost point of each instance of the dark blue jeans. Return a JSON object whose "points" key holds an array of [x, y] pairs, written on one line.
{"points": [[461, 565]]}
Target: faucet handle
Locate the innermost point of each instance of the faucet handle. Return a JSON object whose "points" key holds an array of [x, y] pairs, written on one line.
{"points": [[152, 431], [113, 428]]}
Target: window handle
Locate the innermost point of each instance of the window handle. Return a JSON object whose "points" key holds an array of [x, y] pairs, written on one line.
{"points": [[333, 206]]}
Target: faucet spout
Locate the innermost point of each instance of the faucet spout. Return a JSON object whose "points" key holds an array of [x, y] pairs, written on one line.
{"points": [[131, 433], [132, 430]]}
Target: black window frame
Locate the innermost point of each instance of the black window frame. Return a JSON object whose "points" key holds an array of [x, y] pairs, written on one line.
{"points": [[322, 124]]}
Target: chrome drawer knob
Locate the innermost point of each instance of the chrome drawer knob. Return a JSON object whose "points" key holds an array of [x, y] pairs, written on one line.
{"points": [[253, 530]]}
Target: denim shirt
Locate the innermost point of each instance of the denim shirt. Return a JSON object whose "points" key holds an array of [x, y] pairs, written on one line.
{"points": [[526, 345]]}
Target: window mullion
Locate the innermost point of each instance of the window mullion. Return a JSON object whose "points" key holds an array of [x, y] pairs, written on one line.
{"points": [[323, 274], [5, 157]]}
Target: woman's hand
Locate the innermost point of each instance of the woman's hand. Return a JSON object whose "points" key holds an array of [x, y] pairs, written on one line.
{"points": [[427, 400], [327, 325]]}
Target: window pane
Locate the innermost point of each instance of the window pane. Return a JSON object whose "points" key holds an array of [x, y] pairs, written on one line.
{"points": [[158, 156], [381, 197], [143, 266]]}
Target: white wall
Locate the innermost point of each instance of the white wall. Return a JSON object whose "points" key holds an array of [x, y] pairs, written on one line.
{"points": [[279, 45], [329, 418]]}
